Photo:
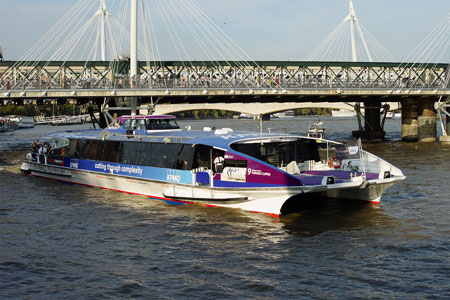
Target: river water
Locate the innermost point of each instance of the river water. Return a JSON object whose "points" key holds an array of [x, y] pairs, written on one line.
{"points": [[69, 242]]}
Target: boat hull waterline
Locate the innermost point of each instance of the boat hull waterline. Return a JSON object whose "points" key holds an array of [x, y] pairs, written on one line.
{"points": [[261, 200]]}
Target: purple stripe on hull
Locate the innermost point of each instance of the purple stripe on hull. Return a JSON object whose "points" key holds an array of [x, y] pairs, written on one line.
{"points": [[236, 184], [315, 180], [340, 174]]}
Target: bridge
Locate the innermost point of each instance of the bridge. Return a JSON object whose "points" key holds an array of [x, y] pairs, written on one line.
{"points": [[258, 109], [179, 79], [232, 84]]}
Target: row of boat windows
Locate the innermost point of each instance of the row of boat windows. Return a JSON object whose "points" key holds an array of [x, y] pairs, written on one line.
{"points": [[186, 156], [150, 124], [173, 156]]}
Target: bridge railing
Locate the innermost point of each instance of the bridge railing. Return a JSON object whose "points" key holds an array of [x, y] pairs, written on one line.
{"points": [[104, 84], [270, 75]]}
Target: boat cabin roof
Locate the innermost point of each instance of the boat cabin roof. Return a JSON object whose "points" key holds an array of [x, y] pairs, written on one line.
{"points": [[219, 138], [140, 117]]}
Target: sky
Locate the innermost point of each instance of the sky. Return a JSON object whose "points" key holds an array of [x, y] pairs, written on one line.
{"points": [[265, 29]]}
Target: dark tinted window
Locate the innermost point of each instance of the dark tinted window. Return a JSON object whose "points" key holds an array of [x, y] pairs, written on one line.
{"points": [[161, 124], [202, 157], [174, 156], [112, 151], [281, 153]]}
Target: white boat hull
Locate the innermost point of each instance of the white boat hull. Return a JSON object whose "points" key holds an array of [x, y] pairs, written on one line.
{"points": [[343, 113], [264, 200]]}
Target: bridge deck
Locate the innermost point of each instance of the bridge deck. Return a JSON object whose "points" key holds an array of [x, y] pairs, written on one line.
{"points": [[218, 79]]}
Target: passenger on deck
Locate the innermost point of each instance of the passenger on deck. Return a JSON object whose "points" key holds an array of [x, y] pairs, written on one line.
{"points": [[46, 147], [218, 162], [35, 146]]}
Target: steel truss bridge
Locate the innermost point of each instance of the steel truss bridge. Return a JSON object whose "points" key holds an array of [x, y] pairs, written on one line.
{"points": [[181, 82]]}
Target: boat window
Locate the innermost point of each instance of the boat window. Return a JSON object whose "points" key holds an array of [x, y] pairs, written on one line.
{"points": [[127, 124], [173, 156], [141, 124], [184, 157], [112, 151], [202, 157], [94, 150], [307, 150], [280, 153], [235, 163], [161, 124]]}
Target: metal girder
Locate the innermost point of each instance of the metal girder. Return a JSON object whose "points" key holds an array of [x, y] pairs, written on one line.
{"points": [[173, 75]]}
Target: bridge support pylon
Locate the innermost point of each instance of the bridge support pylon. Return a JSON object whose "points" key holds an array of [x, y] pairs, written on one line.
{"points": [[419, 120], [426, 121], [410, 123], [373, 127]]}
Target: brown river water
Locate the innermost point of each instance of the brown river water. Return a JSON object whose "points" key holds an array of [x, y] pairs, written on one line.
{"points": [[62, 241]]}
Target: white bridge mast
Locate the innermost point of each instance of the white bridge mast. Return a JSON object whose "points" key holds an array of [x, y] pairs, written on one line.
{"points": [[133, 38], [103, 14], [354, 21], [133, 53]]}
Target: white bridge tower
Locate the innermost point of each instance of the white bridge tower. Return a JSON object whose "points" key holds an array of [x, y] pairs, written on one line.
{"points": [[354, 22], [103, 13]]}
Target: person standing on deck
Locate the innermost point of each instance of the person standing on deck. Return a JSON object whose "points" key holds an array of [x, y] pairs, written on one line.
{"points": [[218, 162]]}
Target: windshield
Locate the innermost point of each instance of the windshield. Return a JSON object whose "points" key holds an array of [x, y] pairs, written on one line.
{"points": [[279, 153]]}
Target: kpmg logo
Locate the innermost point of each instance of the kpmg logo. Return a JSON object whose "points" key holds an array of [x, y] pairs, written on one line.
{"points": [[74, 164], [173, 176]]}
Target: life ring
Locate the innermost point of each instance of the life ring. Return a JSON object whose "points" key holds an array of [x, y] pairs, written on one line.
{"points": [[335, 162], [330, 163], [63, 151]]}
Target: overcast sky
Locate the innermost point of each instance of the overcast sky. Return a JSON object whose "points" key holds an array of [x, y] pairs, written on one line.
{"points": [[266, 29]]}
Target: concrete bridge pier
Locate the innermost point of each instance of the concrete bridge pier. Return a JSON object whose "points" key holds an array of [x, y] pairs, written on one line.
{"points": [[426, 121], [373, 129], [410, 125]]}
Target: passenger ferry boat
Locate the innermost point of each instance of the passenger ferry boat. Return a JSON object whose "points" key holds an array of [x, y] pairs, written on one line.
{"points": [[22, 121], [7, 125], [152, 156], [316, 130]]}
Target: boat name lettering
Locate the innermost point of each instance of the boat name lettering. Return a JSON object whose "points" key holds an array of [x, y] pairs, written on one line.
{"points": [[257, 172]]}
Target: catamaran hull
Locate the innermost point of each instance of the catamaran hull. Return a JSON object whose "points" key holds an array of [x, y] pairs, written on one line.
{"points": [[371, 192], [267, 201], [264, 200]]}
